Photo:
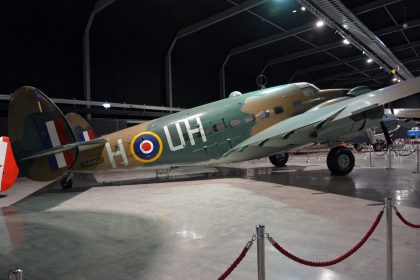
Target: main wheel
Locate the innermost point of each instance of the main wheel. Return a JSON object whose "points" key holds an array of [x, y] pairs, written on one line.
{"points": [[280, 159], [340, 161]]}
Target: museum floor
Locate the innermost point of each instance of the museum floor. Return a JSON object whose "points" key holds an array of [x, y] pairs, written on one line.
{"points": [[194, 224]]}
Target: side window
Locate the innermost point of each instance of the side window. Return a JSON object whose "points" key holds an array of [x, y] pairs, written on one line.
{"points": [[250, 119], [218, 127], [234, 123], [278, 110], [264, 114]]}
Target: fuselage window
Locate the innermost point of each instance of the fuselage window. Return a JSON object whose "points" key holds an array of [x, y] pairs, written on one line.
{"points": [[278, 110], [250, 119], [218, 127], [264, 114], [234, 123]]}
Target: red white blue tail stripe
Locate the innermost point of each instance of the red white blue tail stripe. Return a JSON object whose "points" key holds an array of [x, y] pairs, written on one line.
{"points": [[86, 135], [53, 134]]}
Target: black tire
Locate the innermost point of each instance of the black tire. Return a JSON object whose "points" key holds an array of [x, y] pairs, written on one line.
{"points": [[340, 161], [67, 182], [378, 147], [279, 160]]}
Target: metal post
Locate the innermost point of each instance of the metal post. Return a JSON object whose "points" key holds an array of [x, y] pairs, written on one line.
{"points": [[16, 274], [370, 156], [388, 205], [307, 154], [389, 160], [261, 251], [418, 159]]}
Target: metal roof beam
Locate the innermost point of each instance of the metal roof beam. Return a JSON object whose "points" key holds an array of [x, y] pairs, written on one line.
{"points": [[352, 72], [219, 17], [354, 58], [373, 6], [272, 39], [338, 44], [89, 103], [237, 9]]}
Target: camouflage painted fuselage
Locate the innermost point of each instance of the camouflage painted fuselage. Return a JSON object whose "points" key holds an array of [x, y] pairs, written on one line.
{"points": [[203, 135]]}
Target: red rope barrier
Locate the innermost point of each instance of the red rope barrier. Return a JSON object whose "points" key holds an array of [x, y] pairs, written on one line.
{"points": [[404, 220], [236, 262], [336, 260]]}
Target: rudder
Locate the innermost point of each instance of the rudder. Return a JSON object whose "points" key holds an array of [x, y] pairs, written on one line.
{"points": [[36, 124]]}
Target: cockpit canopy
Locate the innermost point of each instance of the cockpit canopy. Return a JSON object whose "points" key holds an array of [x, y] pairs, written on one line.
{"points": [[307, 88]]}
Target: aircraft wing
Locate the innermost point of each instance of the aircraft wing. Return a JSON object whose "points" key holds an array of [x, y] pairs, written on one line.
{"points": [[302, 129]]}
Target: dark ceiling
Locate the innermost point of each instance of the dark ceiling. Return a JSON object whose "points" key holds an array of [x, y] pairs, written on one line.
{"points": [[129, 41]]}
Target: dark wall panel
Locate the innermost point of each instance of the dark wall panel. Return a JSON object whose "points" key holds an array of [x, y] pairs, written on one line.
{"points": [[42, 46], [196, 65], [241, 73]]}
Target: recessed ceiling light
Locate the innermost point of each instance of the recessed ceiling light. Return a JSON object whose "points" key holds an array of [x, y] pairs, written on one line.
{"points": [[369, 60], [346, 41], [106, 105], [294, 11], [303, 8], [319, 23], [394, 79], [380, 67], [399, 80]]}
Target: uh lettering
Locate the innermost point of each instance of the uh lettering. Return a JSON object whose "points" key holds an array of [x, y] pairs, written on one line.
{"points": [[198, 128]]}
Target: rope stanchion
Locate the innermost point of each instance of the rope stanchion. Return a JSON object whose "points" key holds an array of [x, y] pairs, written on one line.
{"points": [[404, 220], [237, 261], [336, 260]]}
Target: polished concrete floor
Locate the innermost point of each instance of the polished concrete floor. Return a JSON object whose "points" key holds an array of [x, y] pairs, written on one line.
{"points": [[193, 225]]}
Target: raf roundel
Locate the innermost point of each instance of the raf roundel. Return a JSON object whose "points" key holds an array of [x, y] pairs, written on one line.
{"points": [[146, 147]]}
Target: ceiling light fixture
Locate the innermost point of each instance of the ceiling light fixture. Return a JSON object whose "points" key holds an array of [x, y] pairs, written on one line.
{"points": [[394, 79], [106, 105], [346, 41], [303, 8], [369, 60], [294, 11], [319, 23]]}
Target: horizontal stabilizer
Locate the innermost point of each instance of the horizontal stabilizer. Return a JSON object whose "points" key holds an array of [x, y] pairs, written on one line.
{"points": [[83, 146]]}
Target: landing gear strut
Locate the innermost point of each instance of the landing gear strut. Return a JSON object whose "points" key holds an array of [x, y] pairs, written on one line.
{"points": [[280, 159], [340, 161], [67, 181]]}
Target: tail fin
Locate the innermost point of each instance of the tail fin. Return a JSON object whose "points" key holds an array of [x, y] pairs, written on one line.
{"points": [[8, 168], [35, 125], [81, 128]]}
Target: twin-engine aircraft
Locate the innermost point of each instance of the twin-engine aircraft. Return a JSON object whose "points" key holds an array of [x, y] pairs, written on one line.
{"points": [[46, 145]]}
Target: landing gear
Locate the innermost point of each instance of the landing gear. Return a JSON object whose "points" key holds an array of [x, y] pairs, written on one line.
{"points": [[280, 159], [67, 181], [340, 161]]}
